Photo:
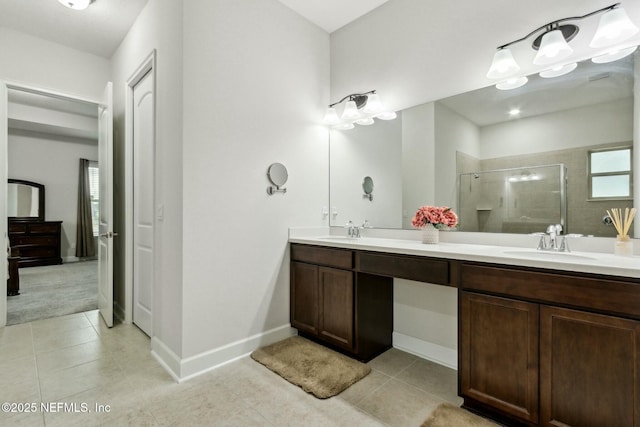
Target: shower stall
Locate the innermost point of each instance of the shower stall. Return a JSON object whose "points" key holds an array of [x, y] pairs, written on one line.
{"points": [[518, 200]]}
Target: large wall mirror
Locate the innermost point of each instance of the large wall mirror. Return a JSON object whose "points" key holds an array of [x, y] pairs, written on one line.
{"points": [[501, 159], [25, 200]]}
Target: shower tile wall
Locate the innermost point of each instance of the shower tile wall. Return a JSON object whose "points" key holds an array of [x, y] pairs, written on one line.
{"points": [[584, 217]]}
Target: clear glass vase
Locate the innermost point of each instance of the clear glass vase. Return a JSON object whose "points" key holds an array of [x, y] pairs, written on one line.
{"points": [[623, 246]]}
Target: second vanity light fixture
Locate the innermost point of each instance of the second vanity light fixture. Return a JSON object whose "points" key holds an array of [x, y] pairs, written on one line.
{"points": [[360, 108], [553, 48]]}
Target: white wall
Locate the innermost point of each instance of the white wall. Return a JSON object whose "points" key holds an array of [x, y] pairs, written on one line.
{"points": [[256, 83], [159, 26], [54, 163], [453, 133], [418, 160], [579, 127], [374, 151], [37, 62]]}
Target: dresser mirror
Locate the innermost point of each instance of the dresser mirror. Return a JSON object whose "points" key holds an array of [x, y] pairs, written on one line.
{"points": [[419, 157], [25, 200]]}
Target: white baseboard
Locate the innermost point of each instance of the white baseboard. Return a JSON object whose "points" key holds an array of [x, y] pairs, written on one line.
{"points": [[190, 367], [426, 350], [166, 357], [69, 259]]}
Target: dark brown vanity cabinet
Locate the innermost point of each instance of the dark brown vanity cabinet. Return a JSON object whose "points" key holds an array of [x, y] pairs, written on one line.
{"points": [[539, 348], [499, 354], [589, 369], [334, 304]]}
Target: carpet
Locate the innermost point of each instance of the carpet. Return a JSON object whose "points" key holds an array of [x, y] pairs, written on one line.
{"points": [[54, 290], [448, 415], [316, 369]]}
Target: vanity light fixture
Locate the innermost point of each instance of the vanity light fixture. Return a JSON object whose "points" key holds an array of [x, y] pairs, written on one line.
{"points": [[359, 108], [76, 4], [553, 48]]}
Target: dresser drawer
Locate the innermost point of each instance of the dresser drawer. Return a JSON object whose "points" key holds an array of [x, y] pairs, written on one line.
{"points": [[339, 258], [35, 240], [27, 252], [43, 228], [16, 228], [408, 267]]}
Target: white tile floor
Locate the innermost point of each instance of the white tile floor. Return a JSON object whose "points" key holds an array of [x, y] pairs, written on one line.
{"points": [[77, 360]]}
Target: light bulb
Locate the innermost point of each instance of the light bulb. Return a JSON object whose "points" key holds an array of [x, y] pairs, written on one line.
{"points": [[553, 48], [614, 55], [350, 111], [559, 70], [513, 83], [387, 115], [503, 65]]}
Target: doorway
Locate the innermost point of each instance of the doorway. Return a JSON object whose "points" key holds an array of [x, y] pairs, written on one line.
{"points": [[46, 134]]}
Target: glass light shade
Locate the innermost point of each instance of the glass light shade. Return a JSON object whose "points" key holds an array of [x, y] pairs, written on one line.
{"points": [[513, 83], [614, 27], [558, 71], [614, 55], [553, 48], [76, 4], [331, 117], [350, 111], [365, 122], [374, 105], [503, 65], [344, 126], [388, 115]]}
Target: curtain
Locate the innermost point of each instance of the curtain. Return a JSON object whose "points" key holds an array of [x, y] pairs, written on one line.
{"points": [[84, 235]]}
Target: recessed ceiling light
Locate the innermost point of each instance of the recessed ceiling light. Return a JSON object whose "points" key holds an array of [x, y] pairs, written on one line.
{"points": [[514, 112], [76, 4]]}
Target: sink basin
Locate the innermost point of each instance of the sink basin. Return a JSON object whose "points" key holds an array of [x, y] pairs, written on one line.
{"points": [[557, 256]]}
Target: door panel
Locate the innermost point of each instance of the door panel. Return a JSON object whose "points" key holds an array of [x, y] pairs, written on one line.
{"points": [[336, 306], [143, 202], [588, 369], [105, 242], [499, 354]]}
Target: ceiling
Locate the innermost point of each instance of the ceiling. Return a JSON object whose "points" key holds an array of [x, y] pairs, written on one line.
{"points": [[98, 30], [103, 25], [331, 15]]}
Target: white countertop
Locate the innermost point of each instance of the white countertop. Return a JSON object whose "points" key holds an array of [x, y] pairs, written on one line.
{"points": [[585, 262]]}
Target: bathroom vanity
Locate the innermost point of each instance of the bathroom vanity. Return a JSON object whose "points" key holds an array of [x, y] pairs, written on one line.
{"points": [[544, 339]]}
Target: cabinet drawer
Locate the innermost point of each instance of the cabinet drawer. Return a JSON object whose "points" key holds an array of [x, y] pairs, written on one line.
{"points": [[592, 293], [43, 228], [340, 258], [34, 240], [404, 267], [17, 228], [37, 252]]}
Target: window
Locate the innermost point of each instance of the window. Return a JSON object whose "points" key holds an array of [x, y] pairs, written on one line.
{"points": [[610, 174], [94, 188]]}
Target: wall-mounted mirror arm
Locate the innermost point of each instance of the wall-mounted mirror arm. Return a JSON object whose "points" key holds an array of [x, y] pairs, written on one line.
{"points": [[278, 175]]}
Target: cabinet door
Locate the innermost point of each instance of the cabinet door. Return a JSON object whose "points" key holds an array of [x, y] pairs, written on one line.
{"points": [[499, 354], [336, 306], [304, 297], [588, 369]]}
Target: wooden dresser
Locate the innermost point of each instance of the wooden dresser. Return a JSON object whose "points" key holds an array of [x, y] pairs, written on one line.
{"points": [[38, 242]]}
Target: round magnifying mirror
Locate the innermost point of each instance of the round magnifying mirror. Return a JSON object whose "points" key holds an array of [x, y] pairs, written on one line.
{"points": [[367, 187], [277, 174]]}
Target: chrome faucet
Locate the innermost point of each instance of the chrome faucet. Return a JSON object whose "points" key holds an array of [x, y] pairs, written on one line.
{"points": [[352, 230], [556, 241]]}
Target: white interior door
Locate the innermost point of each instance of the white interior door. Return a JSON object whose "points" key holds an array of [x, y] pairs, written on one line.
{"points": [[3, 205], [143, 202], [105, 241]]}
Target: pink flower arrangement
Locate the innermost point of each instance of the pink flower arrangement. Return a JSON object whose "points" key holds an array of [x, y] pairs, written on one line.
{"points": [[438, 216]]}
